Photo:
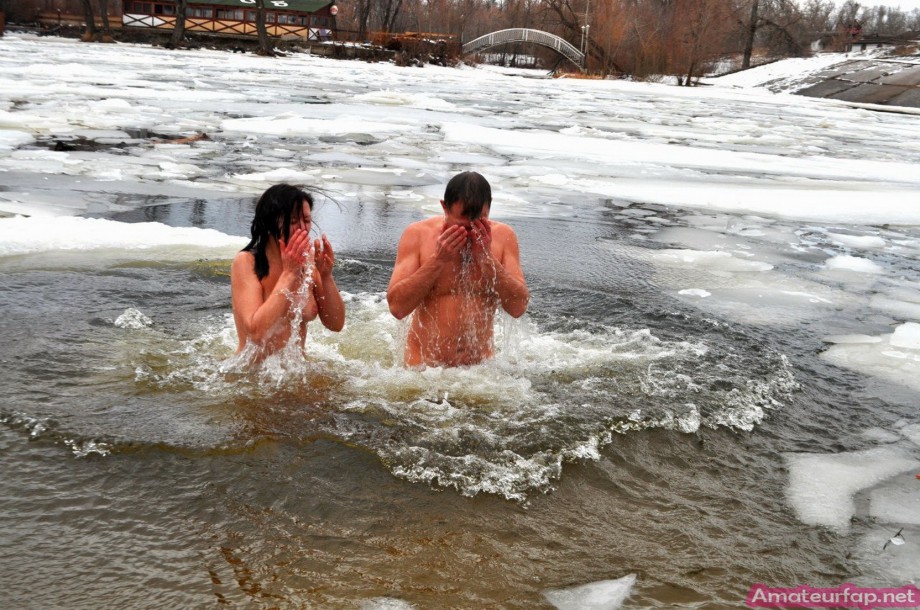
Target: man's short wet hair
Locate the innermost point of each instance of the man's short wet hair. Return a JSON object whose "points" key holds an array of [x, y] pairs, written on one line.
{"points": [[470, 189]]}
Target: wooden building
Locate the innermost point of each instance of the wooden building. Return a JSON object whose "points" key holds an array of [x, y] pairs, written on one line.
{"points": [[56, 12], [306, 19]]}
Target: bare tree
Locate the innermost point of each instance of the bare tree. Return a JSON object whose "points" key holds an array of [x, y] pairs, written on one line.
{"points": [[89, 35], [818, 16], [364, 16], [698, 35], [848, 15], [638, 37], [913, 20], [266, 47], [179, 26], [390, 14], [751, 33], [104, 16]]}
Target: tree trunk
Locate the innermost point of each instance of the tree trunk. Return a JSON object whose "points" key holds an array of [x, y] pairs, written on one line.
{"points": [[179, 27], [390, 14], [90, 34], [104, 16], [751, 33], [391, 22], [265, 43], [364, 17]]}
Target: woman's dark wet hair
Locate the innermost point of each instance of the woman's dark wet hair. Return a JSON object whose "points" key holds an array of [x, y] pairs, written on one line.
{"points": [[472, 190], [274, 211]]}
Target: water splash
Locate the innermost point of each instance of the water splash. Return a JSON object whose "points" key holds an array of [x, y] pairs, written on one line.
{"points": [[133, 319], [43, 428], [506, 426], [275, 366]]}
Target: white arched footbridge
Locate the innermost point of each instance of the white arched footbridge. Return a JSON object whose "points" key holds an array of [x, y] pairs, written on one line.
{"points": [[526, 35]]}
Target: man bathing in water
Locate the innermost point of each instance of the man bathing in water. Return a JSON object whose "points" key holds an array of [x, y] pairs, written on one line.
{"points": [[453, 271], [267, 275]]}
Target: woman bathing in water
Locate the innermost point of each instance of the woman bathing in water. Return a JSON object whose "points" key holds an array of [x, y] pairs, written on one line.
{"points": [[269, 280]]}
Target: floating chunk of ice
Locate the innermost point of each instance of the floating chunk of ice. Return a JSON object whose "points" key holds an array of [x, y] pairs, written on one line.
{"points": [[880, 436], [812, 298], [394, 98], [170, 170], [858, 241], [295, 125], [385, 603], [879, 359], [713, 260], [553, 179], [695, 292], [282, 174], [822, 486], [110, 105], [853, 263], [601, 595], [853, 339], [41, 234], [906, 336], [10, 139], [904, 306]]}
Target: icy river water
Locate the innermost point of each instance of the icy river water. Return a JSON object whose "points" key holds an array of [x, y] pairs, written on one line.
{"points": [[716, 383]]}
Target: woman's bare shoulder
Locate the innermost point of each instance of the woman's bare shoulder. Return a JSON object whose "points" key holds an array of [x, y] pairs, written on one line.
{"points": [[243, 261]]}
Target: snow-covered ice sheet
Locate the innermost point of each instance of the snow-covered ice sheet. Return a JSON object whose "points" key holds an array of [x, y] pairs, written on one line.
{"points": [[22, 235], [768, 209], [734, 150]]}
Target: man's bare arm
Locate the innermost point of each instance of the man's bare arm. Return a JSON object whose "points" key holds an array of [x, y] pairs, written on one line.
{"points": [[413, 280], [509, 281], [509, 277]]}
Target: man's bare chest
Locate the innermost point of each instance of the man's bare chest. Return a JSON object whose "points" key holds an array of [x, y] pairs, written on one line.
{"points": [[466, 274]]}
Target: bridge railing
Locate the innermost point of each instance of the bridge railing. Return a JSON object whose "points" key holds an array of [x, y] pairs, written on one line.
{"points": [[539, 37]]}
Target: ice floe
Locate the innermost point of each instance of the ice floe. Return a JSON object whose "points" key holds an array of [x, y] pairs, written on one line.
{"points": [[601, 595], [21, 235], [853, 263], [893, 357], [822, 486], [862, 242]]}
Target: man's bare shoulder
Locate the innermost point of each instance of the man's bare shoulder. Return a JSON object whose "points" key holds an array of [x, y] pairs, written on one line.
{"points": [[500, 226], [429, 224], [423, 229], [501, 232]]}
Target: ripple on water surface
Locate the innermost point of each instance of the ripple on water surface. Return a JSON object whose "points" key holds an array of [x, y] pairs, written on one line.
{"points": [[506, 427]]}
